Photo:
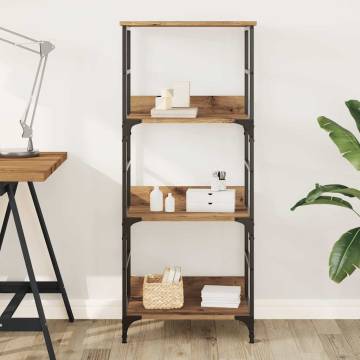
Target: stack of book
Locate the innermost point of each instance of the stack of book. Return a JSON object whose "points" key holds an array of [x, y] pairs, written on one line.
{"points": [[171, 274], [175, 113], [220, 296]]}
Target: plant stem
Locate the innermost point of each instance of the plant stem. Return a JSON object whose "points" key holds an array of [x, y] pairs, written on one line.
{"points": [[356, 213]]}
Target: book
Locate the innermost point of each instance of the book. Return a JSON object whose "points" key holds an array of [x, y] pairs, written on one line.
{"points": [[175, 113], [221, 291], [177, 275], [171, 274], [221, 298], [229, 305], [165, 277]]}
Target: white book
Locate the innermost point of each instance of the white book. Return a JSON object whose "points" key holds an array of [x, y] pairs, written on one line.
{"points": [[181, 93], [175, 113], [177, 275], [165, 277], [171, 275], [220, 290], [221, 298], [220, 305]]}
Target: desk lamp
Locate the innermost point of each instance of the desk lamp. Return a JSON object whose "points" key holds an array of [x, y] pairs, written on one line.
{"points": [[45, 47]]}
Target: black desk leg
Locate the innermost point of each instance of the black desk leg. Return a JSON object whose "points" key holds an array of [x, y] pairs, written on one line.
{"points": [[30, 271], [6, 220], [51, 251]]}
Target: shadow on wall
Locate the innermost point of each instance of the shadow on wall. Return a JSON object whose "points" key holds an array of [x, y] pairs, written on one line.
{"points": [[80, 216]]}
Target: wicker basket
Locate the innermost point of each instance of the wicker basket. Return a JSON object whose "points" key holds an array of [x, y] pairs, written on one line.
{"points": [[157, 295]]}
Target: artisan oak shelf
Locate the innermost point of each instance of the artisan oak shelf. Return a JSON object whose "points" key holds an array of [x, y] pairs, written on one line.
{"points": [[212, 109], [192, 300], [187, 23], [140, 206]]}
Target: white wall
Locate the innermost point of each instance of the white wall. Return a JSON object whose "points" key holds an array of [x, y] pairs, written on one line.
{"points": [[306, 64]]}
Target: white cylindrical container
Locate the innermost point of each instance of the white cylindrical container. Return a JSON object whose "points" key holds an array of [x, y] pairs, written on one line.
{"points": [[222, 185], [170, 203], [156, 200]]}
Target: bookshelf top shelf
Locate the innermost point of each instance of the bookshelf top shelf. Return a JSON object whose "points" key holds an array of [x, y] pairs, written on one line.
{"points": [[212, 109], [188, 23]]}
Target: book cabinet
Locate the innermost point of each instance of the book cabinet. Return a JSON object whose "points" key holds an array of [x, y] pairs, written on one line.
{"points": [[135, 205]]}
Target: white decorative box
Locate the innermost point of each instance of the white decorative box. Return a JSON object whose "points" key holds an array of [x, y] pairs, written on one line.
{"points": [[205, 200]]}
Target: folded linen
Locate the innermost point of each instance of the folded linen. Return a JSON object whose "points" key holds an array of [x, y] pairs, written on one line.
{"points": [[230, 305], [221, 298], [220, 290]]}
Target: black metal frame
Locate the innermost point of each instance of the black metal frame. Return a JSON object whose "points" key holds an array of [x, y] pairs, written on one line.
{"points": [[21, 288], [248, 125]]}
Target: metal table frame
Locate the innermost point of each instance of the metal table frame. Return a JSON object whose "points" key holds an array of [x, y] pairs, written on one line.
{"points": [[21, 288]]}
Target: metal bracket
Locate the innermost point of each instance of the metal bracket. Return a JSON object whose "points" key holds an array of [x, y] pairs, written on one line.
{"points": [[245, 221], [249, 129], [131, 221], [248, 126], [127, 126]]}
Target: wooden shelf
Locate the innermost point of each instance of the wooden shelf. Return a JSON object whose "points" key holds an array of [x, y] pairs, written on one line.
{"points": [[212, 109], [188, 23], [192, 300], [140, 205]]}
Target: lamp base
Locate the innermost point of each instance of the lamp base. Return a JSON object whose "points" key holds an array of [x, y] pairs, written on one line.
{"points": [[18, 153]]}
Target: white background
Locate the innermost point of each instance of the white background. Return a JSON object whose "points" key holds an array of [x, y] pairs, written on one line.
{"points": [[306, 65]]}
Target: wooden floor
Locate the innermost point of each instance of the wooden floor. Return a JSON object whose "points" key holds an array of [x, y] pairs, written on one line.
{"points": [[198, 340]]}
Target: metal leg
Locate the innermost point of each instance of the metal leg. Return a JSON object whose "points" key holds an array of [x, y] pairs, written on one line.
{"points": [[249, 322], [125, 277], [251, 300], [251, 331], [6, 220], [126, 322], [30, 271], [51, 251], [128, 260], [246, 270]]}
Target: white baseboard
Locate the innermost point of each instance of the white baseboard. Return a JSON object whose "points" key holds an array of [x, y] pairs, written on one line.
{"points": [[82, 309], [264, 309], [307, 309]]}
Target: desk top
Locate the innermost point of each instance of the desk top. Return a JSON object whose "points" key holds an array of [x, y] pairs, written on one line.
{"points": [[37, 168]]}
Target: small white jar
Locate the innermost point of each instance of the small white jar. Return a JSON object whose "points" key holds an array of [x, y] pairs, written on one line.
{"points": [[170, 203]]}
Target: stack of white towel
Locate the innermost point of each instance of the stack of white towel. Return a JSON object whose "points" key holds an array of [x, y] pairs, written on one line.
{"points": [[220, 296]]}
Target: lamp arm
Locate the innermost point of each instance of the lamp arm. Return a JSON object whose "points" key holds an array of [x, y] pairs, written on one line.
{"points": [[33, 102], [45, 47], [21, 45]]}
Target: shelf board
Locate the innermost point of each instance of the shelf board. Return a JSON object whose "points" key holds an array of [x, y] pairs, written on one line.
{"points": [[188, 23], [140, 205], [192, 300], [212, 109]]}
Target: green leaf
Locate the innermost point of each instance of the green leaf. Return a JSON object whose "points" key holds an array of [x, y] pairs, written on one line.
{"points": [[345, 255], [354, 108], [332, 188], [323, 200], [345, 141]]}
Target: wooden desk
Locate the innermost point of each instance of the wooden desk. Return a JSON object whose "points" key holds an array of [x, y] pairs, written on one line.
{"points": [[38, 168], [13, 171]]}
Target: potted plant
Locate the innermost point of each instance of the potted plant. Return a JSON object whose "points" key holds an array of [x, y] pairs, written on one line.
{"points": [[345, 254]]}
